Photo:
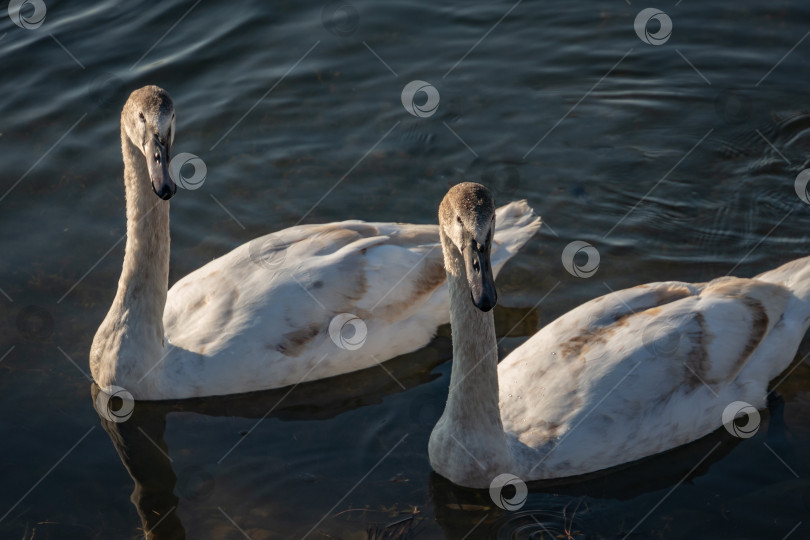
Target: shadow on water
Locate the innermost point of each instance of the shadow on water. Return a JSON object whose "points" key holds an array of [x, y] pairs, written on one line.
{"points": [[576, 508], [140, 444], [607, 504], [605, 146], [140, 439], [569, 508]]}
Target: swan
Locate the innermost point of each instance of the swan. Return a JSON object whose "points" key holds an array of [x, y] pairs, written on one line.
{"points": [[305, 303], [621, 377]]}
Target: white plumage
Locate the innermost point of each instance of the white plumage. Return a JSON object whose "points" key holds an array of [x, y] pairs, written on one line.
{"points": [[259, 317], [646, 369], [619, 378]]}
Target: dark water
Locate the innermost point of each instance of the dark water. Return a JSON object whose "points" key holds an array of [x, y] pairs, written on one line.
{"points": [[675, 161]]}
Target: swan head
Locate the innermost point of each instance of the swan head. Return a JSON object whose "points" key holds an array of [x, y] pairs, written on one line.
{"points": [[148, 120], [467, 224]]}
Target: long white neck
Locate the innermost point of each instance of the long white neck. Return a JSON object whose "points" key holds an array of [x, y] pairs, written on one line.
{"points": [[468, 444], [130, 340], [145, 277]]}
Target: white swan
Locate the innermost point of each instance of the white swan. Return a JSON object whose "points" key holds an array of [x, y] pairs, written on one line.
{"points": [[621, 377], [260, 316]]}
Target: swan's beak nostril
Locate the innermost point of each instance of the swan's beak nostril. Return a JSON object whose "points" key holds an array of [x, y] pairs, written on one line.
{"points": [[165, 192], [479, 277], [162, 183]]}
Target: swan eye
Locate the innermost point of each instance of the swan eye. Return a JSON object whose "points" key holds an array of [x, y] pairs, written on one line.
{"points": [[140, 115]]}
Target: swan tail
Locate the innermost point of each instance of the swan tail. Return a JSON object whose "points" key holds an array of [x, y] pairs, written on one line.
{"points": [[515, 223], [794, 276]]}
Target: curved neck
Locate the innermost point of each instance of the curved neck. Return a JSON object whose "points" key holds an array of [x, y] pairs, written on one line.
{"points": [[130, 341], [144, 279], [469, 445], [474, 376]]}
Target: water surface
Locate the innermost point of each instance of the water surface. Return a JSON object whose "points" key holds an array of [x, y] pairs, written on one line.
{"points": [[676, 161]]}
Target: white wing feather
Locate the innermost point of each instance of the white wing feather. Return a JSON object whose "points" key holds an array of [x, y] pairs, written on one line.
{"points": [[259, 316], [643, 370]]}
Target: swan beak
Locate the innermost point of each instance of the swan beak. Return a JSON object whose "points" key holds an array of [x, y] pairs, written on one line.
{"points": [[157, 161], [479, 276]]}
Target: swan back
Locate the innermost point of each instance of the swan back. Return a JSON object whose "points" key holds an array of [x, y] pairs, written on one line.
{"points": [[640, 371], [259, 317]]}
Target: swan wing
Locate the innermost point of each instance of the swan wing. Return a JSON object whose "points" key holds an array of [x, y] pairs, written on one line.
{"points": [[259, 317], [314, 301], [637, 372]]}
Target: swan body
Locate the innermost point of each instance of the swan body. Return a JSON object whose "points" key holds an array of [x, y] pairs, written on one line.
{"points": [[259, 317], [305, 303], [619, 378]]}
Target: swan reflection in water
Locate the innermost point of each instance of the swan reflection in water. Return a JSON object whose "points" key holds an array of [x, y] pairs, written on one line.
{"points": [[137, 431], [614, 503], [159, 490]]}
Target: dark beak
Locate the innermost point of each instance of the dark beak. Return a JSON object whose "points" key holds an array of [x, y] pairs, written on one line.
{"points": [[157, 161], [479, 276]]}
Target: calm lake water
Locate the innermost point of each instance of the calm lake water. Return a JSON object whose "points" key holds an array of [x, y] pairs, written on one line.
{"points": [[674, 160]]}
